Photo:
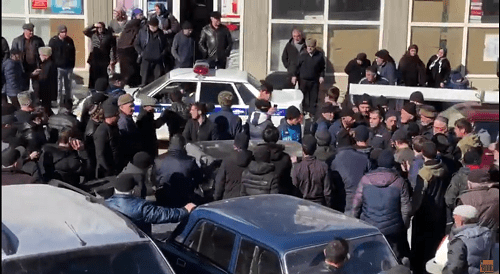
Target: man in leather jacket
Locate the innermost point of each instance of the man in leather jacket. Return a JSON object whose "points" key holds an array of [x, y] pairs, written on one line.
{"points": [[216, 42]]}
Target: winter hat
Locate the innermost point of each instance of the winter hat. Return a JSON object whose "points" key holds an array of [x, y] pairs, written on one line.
{"points": [[417, 96], [361, 133], [429, 150], [241, 140], [125, 99], [399, 135], [328, 108], [391, 113], [177, 142], [361, 56], [216, 15], [135, 12], [101, 84], [412, 130], [309, 144], [45, 51], [473, 157], [125, 182], [10, 156], [262, 154], [153, 22], [225, 98], [386, 159], [323, 137], [311, 42], [479, 176], [98, 98], [110, 108], [466, 211], [29, 26], [344, 139], [24, 98], [187, 25], [382, 101], [428, 111], [62, 28], [441, 141], [142, 160], [292, 112], [383, 54], [375, 153], [411, 108], [365, 99], [262, 105], [346, 112]]}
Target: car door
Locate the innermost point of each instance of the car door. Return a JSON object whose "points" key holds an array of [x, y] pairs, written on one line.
{"points": [[255, 258], [207, 249]]}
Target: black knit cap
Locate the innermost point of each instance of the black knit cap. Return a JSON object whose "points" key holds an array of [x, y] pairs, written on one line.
{"points": [[365, 99], [101, 84], [429, 150], [417, 96], [411, 108], [241, 140], [262, 154], [441, 141], [142, 160], [292, 112], [386, 159], [187, 25], [412, 130], [361, 56], [323, 137], [98, 98], [399, 135], [382, 101], [216, 15], [479, 176], [309, 143], [10, 156], [328, 108], [346, 112], [125, 182], [361, 133]]}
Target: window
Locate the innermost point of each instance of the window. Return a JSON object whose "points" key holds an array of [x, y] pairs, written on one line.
{"points": [[234, 56], [430, 39], [439, 11], [298, 9], [482, 51], [484, 11], [343, 44], [212, 242], [256, 259], [245, 93], [61, 7], [12, 28], [367, 10], [12, 6], [210, 92], [187, 89]]}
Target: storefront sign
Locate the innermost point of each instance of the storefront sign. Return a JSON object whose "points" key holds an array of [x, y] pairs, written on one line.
{"points": [[39, 4], [229, 8], [67, 6]]}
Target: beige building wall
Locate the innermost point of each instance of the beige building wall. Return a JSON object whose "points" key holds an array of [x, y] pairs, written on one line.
{"points": [[395, 31], [255, 37]]}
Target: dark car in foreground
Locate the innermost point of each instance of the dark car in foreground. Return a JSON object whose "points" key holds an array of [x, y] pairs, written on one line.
{"points": [[271, 234]]}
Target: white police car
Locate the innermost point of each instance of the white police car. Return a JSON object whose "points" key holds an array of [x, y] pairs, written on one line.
{"points": [[204, 85]]}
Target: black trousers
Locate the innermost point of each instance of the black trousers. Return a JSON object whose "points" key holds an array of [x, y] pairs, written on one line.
{"points": [[219, 64], [129, 68], [310, 89], [151, 70]]}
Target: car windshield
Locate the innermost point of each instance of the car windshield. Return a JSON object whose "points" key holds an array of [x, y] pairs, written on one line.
{"points": [[122, 258], [369, 254], [154, 85], [253, 81]]}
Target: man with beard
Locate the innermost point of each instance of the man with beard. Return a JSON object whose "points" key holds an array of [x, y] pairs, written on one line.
{"points": [[412, 68], [291, 53], [379, 135], [427, 116], [364, 107], [345, 122]]}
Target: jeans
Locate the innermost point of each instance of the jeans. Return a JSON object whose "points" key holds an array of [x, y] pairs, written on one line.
{"points": [[64, 78]]}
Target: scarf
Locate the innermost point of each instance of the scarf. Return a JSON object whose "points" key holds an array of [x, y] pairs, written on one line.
{"points": [[439, 61]]}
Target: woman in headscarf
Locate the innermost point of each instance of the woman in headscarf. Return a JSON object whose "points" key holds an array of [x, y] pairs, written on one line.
{"points": [[412, 68], [386, 66], [438, 69]]}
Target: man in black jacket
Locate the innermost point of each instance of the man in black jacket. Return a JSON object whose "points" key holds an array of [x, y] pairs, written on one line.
{"points": [[216, 42], [147, 125], [260, 177], [106, 140], [291, 53], [63, 54], [151, 45], [199, 127], [356, 68], [228, 179], [310, 71], [28, 43]]}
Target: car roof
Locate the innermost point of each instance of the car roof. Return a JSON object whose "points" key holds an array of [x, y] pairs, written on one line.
{"points": [[40, 218], [283, 222], [226, 75]]}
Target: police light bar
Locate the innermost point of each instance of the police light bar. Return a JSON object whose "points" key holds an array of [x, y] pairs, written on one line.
{"points": [[201, 68]]}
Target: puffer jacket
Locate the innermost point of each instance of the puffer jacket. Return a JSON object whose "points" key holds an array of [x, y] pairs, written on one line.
{"points": [[282, 167], [391, 215], [12, 77], [485, 200], [470, 245], [311, 179], [257, 122], [228, 178], [259, 178], [144, 213], [215, 43]]}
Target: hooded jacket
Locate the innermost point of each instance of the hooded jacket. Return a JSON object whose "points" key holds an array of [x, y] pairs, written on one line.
{"points": [[257, 122], [412, 71], [391, 215], [167, 22], [428, 197], [228, 178], [259, 178], [485, 200], [290, 55], [282, 167], [467, 142], [470, 245], [311, 179]]}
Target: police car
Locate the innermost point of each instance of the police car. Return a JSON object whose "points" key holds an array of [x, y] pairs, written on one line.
{"points": [[201, 84]]}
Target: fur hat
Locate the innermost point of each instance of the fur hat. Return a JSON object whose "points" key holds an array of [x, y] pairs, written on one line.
{"points": [[45, 51]]}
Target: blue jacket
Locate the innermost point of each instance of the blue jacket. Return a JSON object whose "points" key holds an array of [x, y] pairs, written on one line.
{"points": [[388, 71], [334, 130], [290, 132], [144, 213], [226, 123], [416, 165], [348, 168], [12, 77]]}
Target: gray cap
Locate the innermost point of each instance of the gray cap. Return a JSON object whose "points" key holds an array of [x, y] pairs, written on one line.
{"points": [[29, 26]]}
